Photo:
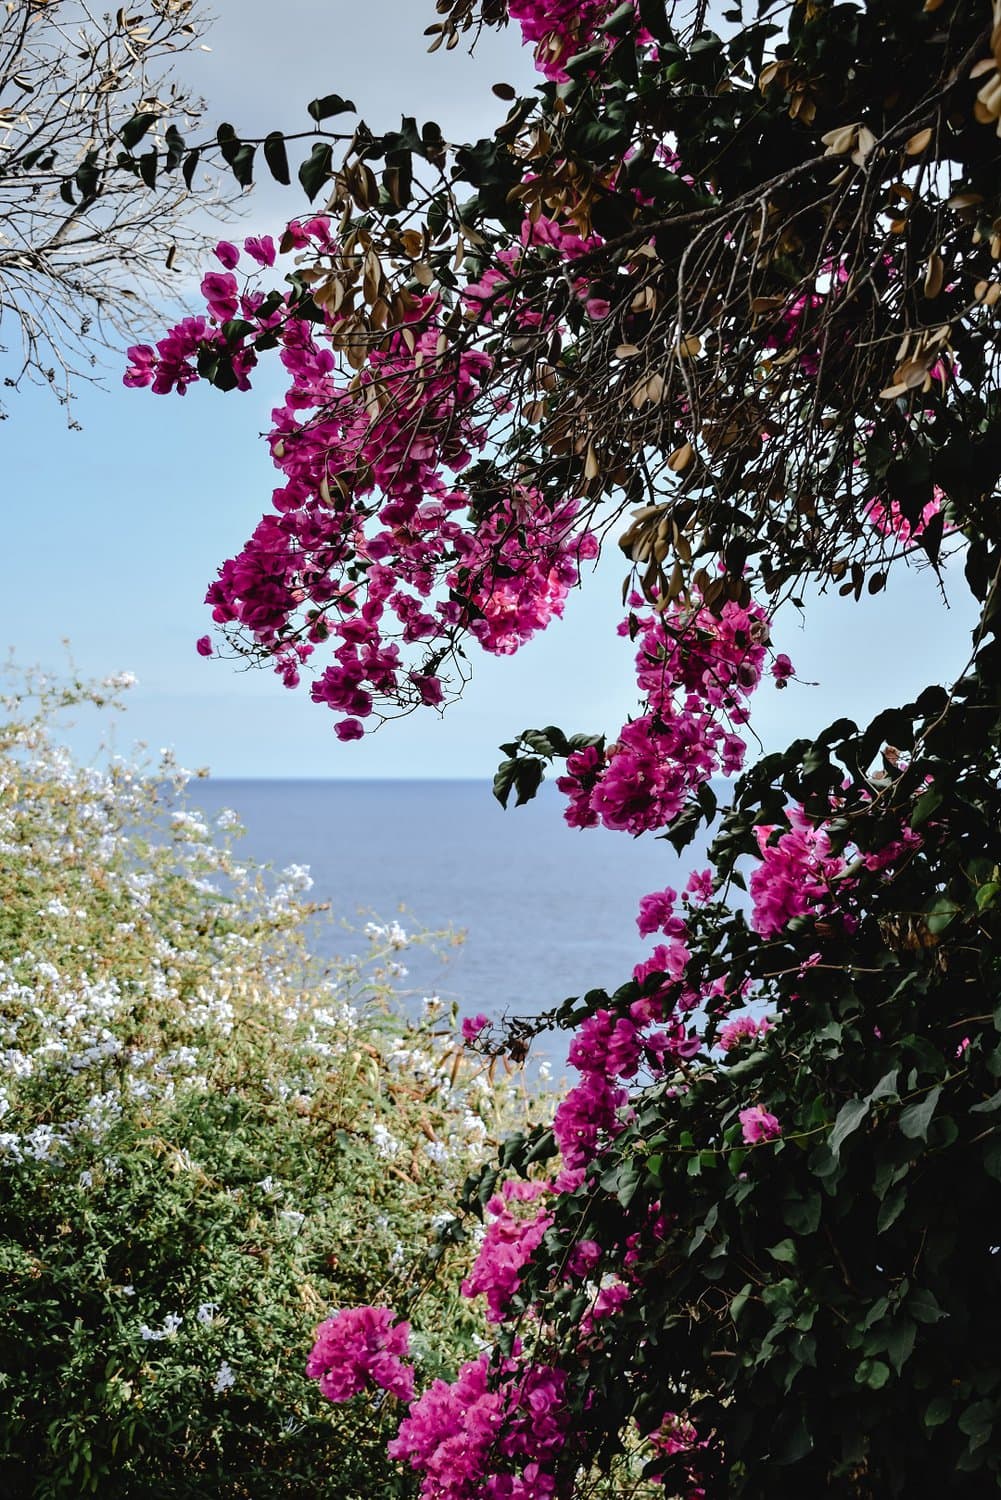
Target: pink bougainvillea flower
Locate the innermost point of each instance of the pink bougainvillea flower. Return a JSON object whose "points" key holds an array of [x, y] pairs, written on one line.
{"points": [[349, 729], [742, 1029], [260, 248], [758, 1126], [359, 1347], [472, 1026], [227, 255], [219, 288]]}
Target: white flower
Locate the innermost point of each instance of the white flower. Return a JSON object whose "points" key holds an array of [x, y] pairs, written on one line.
{"points": [[385, 1143], [171, 1324], [396, 935], [224, 1378], [207, 1311], [293, 1216]]}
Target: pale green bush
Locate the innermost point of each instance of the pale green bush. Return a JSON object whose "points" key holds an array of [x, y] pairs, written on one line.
{"points": [[207, 1142]]}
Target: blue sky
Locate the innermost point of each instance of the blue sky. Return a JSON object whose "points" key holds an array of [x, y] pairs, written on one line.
{"points": [[112, 533]]}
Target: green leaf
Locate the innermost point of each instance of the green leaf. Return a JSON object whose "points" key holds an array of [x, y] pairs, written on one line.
{"points": [[504, 780], [784, 1252], [174, 141], [277, 157], [942, 913], [329, 105], [923, 1306], [529, 774], [987, 895], [886, 1088], [849, 1118], [926, 804], [87, 176], [890, 1208], [977, 1420], [621, 21], [133, 130], [938, 1410], [916, 1118], [544, 1148], [315, 170], [900, 1342], [628, 1178], [147, 168], [190, 167], [873, 1373], [653, 14], [242, 164], [738, 1303], [803, 1214]]}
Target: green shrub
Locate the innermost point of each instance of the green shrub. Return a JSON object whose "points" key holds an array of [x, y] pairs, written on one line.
{"points": [[207, 1142]]}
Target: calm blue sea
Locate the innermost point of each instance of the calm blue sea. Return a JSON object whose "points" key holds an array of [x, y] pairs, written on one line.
{"points": [[547, 911]]}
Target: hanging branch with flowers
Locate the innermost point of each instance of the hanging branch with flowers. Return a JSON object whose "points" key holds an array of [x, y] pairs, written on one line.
{"points": [[742, 285]]}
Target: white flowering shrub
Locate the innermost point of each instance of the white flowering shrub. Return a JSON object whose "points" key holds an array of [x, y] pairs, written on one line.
{"points": [[208, 1142]]}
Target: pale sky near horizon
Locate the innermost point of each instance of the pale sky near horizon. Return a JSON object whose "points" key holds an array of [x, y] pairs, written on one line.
{"points": [[112, 533]]}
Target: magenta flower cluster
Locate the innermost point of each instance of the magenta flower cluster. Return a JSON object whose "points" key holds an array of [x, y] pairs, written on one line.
{"points": [[508, 1245], [795, 873], [368, 545], [757, 1125], [558, 29], [696, 671], [358, 1348], [490, 1435], [799, 875]]}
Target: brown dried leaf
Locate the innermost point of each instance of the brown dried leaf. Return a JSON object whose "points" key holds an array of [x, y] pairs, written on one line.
{"points": [[591, 466], [865, 146], [840, 140], [919, 142], [770, 74]]}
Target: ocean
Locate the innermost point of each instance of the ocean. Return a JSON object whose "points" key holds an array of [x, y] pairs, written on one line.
{"points": [[547, 911]]}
